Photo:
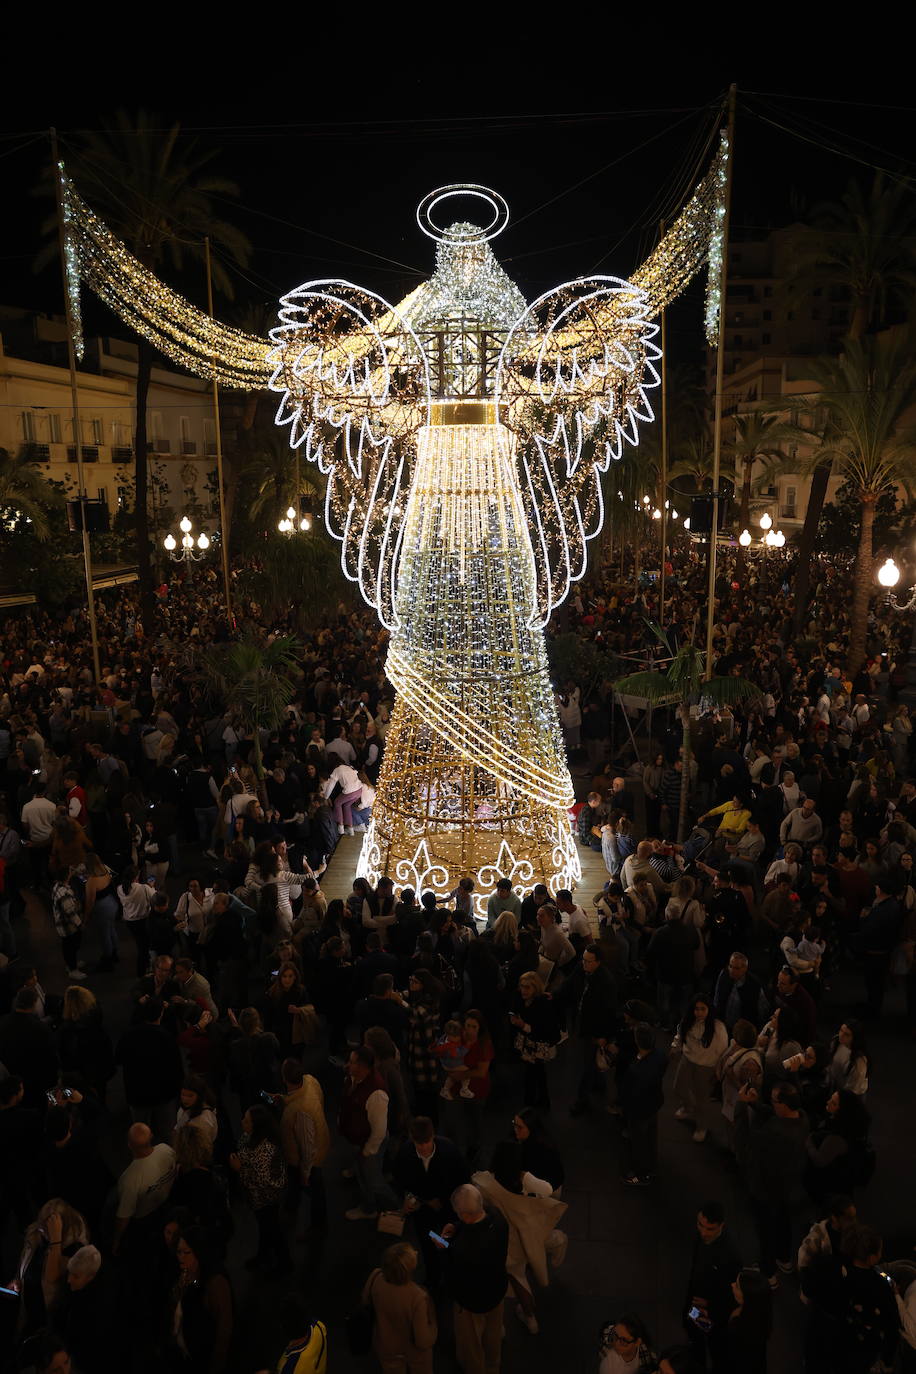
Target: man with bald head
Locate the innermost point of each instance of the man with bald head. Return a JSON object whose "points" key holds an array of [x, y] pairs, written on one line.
{"points": [[475, 1274], [144, 1186]]}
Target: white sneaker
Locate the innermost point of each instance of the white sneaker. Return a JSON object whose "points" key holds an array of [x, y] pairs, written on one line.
{"points": [[349, 830], [446, 1091], [682, 1114], [531, 1322], [465, 1090], [359, 830], [77, 974], [699, 1134], [340, 830]]}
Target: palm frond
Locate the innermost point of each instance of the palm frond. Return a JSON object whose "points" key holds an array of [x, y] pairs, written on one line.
{"points": [[655, 687]]}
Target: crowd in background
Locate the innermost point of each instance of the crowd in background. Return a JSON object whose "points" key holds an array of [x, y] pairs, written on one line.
{"points": [[266, 1036]]}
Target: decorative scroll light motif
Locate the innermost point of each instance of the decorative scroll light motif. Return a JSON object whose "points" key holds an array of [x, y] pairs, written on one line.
{"points": [[463, 435]]}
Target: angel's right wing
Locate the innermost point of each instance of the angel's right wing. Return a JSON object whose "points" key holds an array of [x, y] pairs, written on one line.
{"points": [[355, 391]]}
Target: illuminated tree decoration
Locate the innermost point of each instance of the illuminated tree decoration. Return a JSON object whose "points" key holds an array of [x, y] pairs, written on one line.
{"points": [[462, 434]]}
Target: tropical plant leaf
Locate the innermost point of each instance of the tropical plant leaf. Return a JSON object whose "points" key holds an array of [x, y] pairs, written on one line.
{"points": [[655, 687]]}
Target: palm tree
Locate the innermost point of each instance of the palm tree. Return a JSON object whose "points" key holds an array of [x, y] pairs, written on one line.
{"points": [[156, 192], [274, 478], [866, 395], [254, 678], [682, 684], [863, 245], [25, 494]]}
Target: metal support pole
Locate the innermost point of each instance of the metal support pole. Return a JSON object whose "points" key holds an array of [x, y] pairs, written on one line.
{"points": [[75, 409], [720, 384], [223, 530], [664, 450]]}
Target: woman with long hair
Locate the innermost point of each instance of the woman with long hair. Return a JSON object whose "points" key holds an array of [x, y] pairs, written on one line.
{"points": [[537, 1028], [476, 1071], [780, 1040], [750, 1323], [700, 1042], [539, 1155], [57, 1232], [261, 1167], [201, 1316], [197, 1107], [288, 1012], [839, 1156], [849, 1059]]}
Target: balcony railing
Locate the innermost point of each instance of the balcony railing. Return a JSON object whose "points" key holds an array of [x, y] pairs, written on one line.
{"points": [[90, 453], [189, 446]]}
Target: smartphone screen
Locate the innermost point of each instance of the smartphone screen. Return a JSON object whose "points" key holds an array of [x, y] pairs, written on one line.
{"points": [[8, 1293], [434, 1235]]}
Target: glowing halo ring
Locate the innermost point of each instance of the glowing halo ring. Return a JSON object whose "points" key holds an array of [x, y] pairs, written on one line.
{"points": [[428, 204]]}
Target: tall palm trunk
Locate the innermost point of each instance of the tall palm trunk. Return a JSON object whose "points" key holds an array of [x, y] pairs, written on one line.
{"points": [[685, 772], [806, 544], [141, 479], [863, 587]]}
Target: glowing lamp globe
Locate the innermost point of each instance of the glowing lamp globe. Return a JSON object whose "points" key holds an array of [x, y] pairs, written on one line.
{"points": [[184, 524], [687, 523], [203, 542], [765, 521], [169, 542], [744, 538], [889, 574], [656, 514], [770, 539], [779, 540]]}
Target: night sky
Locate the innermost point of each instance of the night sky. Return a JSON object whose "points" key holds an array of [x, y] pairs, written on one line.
{"points": [[330, 182]]}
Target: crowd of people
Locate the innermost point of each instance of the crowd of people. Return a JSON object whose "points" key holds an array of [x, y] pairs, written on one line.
{"points": [[266, 1036]]}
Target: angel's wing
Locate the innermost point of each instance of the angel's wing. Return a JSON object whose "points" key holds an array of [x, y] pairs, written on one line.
{"points": [[572, 387], [355, 387], [573, 379]]}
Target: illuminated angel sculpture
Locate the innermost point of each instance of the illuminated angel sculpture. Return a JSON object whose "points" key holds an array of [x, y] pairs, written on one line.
{"points": [[463, 435]]}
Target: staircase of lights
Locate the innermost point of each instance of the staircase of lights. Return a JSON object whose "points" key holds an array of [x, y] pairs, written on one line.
{"points": [[189, 550]]}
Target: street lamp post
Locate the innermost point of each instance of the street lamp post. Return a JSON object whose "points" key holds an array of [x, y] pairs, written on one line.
{"points": [[888, 576], [188, 549]]}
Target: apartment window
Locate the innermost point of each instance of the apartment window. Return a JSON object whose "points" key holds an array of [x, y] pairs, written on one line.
{"points": [[738, 341], [103, 495], [767, 314], [764, 338], [790, 503], [28, 426], [95, 431], [815, 314], [768, 290], [155, 424], [210, 436], [54, 428], [818, 291]]}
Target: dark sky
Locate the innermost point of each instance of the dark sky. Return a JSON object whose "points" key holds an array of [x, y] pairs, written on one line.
{"points": [[330, 181]]}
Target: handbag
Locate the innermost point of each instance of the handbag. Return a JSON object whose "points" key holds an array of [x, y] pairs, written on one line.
{"points": [[358, 1326], [391, 1223]]}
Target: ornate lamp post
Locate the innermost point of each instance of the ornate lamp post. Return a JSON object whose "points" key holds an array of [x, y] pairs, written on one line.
{"points": [[190, 549], [888, 576]]}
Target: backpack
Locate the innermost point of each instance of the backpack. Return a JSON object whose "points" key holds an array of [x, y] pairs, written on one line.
{"points": [[308, 1354]]}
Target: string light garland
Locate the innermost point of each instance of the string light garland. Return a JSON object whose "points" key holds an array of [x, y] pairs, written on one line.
{"points": [[463, 435], [180, 331]]}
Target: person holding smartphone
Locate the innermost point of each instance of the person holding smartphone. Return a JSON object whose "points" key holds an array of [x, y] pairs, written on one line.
{"points": [[709, 1299]]}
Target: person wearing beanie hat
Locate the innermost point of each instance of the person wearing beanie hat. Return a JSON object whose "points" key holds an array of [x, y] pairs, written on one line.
{"points": [[640, 1098]]}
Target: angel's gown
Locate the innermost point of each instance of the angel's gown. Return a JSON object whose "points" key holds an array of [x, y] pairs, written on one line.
{"points": [[474, 781]]}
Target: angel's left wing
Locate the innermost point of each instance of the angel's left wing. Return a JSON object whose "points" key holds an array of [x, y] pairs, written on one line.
{"points": [[572, 387], [355, 391]]}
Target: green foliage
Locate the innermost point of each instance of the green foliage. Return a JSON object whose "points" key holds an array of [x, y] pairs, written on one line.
{"points": [[299, 573], [841, 519], [580, 660], [254, 678]]}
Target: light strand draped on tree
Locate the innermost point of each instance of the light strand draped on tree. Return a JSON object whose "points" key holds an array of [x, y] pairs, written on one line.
{"points": [[462, 435]]}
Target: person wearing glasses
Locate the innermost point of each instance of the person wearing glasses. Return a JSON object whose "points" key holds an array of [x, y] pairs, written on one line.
{"points": [[624, 1348]]}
